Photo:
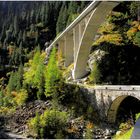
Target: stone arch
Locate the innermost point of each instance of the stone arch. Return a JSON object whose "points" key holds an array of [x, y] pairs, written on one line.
{"points": [[112, 112]]}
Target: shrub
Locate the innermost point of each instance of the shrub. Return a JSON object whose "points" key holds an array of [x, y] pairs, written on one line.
{"points": [[131, 33], [95, 74], [90, 112], [106, 28], [125, 135], [7, 101], [1, 98], [89, 131], [6, 110], [21, 97], [54, 122], [137, 38], [135, 23], [49, 124], [110, 38], [34, 125], [137, 116], [116, 17]]}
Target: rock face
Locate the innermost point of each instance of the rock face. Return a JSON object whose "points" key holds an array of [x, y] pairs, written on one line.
{"points": [[77, 129], [95, 56], [100, 133]]}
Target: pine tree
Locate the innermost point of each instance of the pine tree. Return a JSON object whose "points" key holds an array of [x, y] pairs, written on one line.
{"points": [[72, 10], [15, 26], [83, 5], [53, 75], [24, 37], [43, 14], [1, 98], [36, 74], [19, 77], [39, 78], [20, 53], [73, 6], [3, 33], [62, 19], [11, 83], [19, 37]]}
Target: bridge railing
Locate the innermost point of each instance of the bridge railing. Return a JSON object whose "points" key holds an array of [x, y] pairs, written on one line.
{"points": [[92, 6], [118, 87]]}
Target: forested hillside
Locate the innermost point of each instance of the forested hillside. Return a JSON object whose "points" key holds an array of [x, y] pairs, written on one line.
{"points": [[35, 99], [26, 25]]}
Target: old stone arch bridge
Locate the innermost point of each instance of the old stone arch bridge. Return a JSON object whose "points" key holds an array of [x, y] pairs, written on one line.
{"points": [[108, 98], [75, 43]]}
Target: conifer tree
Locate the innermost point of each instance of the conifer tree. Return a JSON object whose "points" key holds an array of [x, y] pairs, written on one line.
{"points": [[1, 98], [19, 77], [53, 75], [20, 53], [24, 36], [35, 75], [72, 10], [62, 19], [11, 83], [15, 26]]}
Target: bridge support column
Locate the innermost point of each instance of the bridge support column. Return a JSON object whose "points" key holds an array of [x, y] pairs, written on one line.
{"points": [[81, 30], [61, 47], [77, 36], [76, 41], [68, 50]]}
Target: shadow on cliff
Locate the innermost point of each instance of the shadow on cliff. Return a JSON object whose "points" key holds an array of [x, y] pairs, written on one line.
{"points": [[119, 65], [80, 102]]}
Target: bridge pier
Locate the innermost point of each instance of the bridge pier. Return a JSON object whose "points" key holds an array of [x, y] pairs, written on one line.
{"points": [[61, 47], [76, 41], [69, 58]]}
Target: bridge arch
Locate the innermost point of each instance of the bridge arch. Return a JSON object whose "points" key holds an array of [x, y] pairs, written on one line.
{"points": [[76, 40], [97, 17], [116, 104]]}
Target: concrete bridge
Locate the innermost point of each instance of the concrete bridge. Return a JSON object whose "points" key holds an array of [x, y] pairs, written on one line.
{"points": [[108, 98], [76, 40]]}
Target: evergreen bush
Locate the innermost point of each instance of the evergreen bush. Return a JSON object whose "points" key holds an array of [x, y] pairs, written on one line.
{"points": [[137, 38], [53, 76], [95, 74], [49, 124]]}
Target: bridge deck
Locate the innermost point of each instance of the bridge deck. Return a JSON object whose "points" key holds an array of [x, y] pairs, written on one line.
{"points": [[108, 87], [76, 21], [118, 87]]}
